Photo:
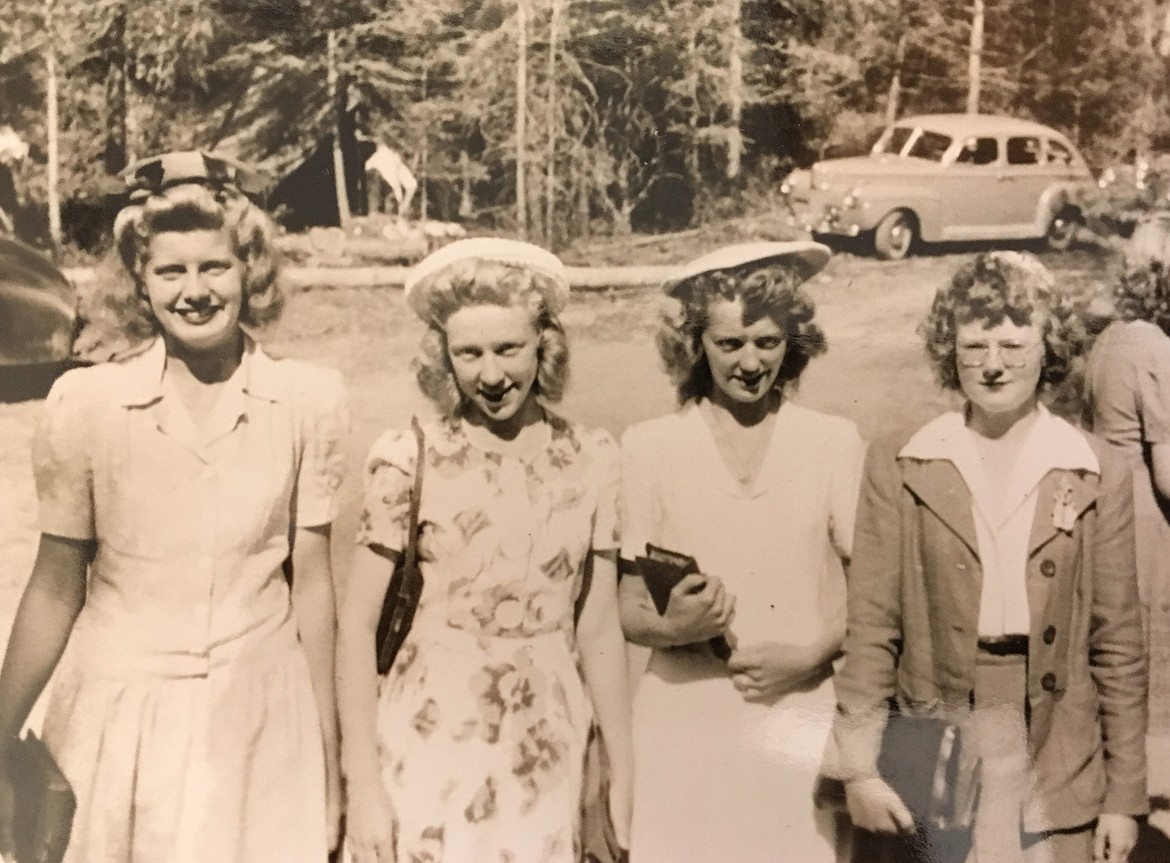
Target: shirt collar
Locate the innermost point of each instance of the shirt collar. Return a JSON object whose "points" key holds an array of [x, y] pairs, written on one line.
{"points": [[1052, 444], [142, 374]]}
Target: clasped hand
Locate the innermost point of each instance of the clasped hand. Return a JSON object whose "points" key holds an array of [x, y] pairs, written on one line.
{"points": [[699, 608], [764, 671]]}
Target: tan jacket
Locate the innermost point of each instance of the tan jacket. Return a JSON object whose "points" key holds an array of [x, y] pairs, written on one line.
{"points": [[914, 593]]}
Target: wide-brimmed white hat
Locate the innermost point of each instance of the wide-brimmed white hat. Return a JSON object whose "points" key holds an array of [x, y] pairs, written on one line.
{"points": [[804, 256], [422, 277]]}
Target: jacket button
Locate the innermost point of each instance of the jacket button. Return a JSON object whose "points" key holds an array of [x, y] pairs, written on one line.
{"points": [[1048, 681], [1048, 567], [1049, 634]]}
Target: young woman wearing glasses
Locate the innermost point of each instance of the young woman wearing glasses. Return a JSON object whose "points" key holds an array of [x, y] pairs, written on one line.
{"points": [[993, 586]]}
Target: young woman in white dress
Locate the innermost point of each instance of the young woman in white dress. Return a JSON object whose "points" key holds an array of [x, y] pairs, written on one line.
{"points": [[194, 714], [761, 492]]}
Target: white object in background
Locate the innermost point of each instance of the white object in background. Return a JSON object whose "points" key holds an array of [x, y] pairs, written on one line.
{"points": [[13, 148], [390, 167]]}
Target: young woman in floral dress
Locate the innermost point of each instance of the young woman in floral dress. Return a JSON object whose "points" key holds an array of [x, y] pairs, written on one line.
{"points": [[472, 747]]}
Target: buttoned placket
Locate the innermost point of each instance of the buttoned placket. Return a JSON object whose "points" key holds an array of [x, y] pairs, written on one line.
{"points": [[226, 416]]}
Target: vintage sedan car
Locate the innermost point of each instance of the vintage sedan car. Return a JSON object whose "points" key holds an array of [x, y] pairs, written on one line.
{"points": [[945, 177], [38, 321]]}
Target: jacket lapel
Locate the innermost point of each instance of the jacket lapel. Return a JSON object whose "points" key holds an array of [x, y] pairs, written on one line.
{"points": [[940, 487]]}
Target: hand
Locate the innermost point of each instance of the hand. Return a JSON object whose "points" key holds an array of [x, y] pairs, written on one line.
{"points": [[370, 823], [763, 672], [1114, 838], [699, 608], [875, 806], [621, 809]]}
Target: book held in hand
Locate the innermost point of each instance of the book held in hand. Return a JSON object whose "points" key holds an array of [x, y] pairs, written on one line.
{"points": [[661, 570]]}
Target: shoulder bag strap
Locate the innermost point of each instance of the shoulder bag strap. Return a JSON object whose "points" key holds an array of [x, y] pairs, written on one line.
{"points": [[411, 559]]}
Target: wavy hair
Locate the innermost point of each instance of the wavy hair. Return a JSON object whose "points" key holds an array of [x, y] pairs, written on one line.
{"points": [[773, 291], [193, 207], [994, 287], [1142, 293], [471, 283]]}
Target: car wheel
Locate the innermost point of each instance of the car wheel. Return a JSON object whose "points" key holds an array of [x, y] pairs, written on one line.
{"points": [[1062, 230], [895, 235]]}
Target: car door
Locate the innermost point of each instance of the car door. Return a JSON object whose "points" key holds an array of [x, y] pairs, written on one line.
{"points": [[1020, 184], [969, 185]]}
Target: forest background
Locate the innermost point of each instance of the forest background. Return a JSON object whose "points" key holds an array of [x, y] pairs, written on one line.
{"points": [[558, 120]]}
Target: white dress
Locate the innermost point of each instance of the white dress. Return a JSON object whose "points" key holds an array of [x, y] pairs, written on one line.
{"points": [[183, 712], [718, 778]]}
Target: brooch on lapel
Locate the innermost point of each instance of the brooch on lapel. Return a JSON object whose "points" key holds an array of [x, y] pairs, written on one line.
{"points": [[1064, 513]]}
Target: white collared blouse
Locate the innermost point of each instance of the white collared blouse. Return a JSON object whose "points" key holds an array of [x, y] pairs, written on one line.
{"points": [[1004, 508], [191, 528]]}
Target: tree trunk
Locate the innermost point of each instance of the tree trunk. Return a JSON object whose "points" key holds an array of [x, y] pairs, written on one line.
{"points": [[333, 81], [52, 130], [424, 203], [894, 95], [735, 92], [975, 57], [465, 201], [550, 177], [116, 156], [693, 164], [521, 118]]}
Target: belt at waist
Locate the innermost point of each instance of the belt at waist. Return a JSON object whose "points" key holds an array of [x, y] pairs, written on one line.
{"points": [[93, 651], [1005, 645]]}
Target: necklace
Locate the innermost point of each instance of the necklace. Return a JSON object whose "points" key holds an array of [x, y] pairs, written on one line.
{"points": [[732, 439]]}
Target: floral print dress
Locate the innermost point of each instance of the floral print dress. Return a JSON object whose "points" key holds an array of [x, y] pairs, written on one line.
{"points": [[483, 719]]}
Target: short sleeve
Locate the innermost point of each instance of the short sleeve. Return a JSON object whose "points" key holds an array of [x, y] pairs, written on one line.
{"points": [[326, 432], [389, 481], [1154, 392], [846, 486], [606, 526], [639, 499], [62, 463]]}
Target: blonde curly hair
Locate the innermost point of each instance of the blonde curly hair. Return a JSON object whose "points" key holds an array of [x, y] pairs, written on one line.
{"points": [[194, 207], [480, 282]]}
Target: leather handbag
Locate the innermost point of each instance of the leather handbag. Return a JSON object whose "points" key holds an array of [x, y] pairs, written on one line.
{"points": [[406, 582], [43, 804]]}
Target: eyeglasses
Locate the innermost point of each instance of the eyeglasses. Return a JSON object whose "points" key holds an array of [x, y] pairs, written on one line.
{"points": [[1012, 354]]}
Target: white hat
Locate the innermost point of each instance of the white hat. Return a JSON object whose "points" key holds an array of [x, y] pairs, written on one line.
{"points": [[804, 256], [494, 249]]}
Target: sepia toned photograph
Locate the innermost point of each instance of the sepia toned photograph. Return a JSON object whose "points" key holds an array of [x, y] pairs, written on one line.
{"points": [[585, 431]]}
